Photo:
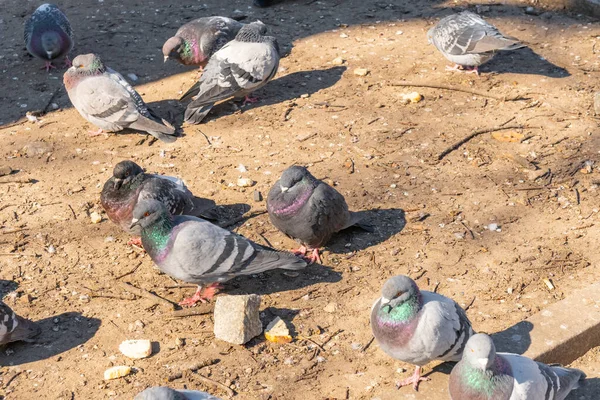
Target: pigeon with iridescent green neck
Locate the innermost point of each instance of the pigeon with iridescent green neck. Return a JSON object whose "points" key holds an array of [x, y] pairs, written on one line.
{"points": [[195, 42], [14, 327], [166, 393], [483, 374], [196, 251], [417, 326]]}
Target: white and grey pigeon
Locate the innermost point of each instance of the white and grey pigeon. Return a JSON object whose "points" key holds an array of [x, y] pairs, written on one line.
{"points": [[48, 35], [242, 66], [309, 210], [468, 40], [166, 393], [14, 327], [483, 374], [417, 326], [195, 42], [130, 184], [196, 251], [103, 97]]}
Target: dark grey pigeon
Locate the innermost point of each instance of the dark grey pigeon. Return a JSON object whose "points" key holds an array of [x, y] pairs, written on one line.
{"points": [[417, 326], [130, 185], [309, 210], [103, 97], [48, 35], [195, 42], [468, 40], [242, 66], [194, 250], [14, 328], [483, 374], [165, 393]]}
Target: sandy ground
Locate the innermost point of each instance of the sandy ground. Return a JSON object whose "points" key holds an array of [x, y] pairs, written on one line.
{"points": [[537, 182]]}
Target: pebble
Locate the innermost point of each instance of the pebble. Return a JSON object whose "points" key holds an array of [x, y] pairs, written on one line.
{"points": [[6, 170], [51, 249], [330, 308], [237, 318], [343, 35], [337, 61], [242, 168], [257, 195], [245, 182], [361, 72], [95, 217]]}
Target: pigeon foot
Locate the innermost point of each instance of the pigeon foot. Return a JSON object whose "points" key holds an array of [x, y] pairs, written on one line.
{"points": [[96, 133], [201, 295], [460, 68], [67, 63], [250, 100], [48, 66], [413, 380], [135, 241], [314, 257]]}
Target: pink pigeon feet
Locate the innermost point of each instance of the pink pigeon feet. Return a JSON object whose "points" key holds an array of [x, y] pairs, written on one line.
{"points": [[135, 241], [460, 68], [249, 99], [48, 66], [413, 380], [96, 133], [67, 63], [201, 295], [312, 258]]}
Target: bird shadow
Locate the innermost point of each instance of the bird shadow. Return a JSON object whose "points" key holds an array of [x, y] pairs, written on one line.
{"points": [[7, 286], [515, 339], [385, 223], [60, 333], [523, 61]]}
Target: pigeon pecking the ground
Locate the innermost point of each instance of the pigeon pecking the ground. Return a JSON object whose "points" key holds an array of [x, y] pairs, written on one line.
{"points": [[195, 42], [165, 393], [417, 326], [309, 210], [14, 328], [468, 40], [242, 66], [130, 185], [196, 251], [483, 374], [48, 35], [103, 97]]}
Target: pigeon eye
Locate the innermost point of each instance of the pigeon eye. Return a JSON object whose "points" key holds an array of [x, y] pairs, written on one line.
{"points": [[146, 214]]}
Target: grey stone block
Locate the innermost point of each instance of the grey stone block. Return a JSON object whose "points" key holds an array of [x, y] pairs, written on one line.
{"points": [[237, 318]]}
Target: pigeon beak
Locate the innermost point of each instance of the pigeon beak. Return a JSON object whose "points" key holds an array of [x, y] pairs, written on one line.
{"points": [[134, 222], [284, 189], [117, 184], [166, 58], [384, 301], [483, 362]]}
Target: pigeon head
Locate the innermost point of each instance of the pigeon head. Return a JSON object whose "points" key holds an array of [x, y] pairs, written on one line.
{"points": [[160, 393], [52, 44], [173, 48], [252, 32], [148, 212], [294, 178], [124, 172], [480, 352], [87, 64], [399, 290]]}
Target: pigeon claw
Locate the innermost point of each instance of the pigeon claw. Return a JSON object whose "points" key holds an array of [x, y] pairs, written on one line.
{"points": [[202, 295], [250, 100], [314, 257], [67, 63], [135, 241], [48, 66], [301, 251], [96, 133], [461, 68], [413, 380]]}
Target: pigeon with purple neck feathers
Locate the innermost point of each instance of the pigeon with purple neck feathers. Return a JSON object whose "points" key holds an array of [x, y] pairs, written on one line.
{"points": [[103, 97], [468, 40], [309, 210], [240, 67], [14, 328], [48, 35], [196, 251], [417, 326], [483, 374], [130, 185], [195, 42], [166, 393]]}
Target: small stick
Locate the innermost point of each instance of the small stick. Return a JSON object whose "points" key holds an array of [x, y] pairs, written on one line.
{"points": [[13, 231], [12, 378], [130, 272], [266, 240], [313, 342], [20, 180], [305, 294], [332, 336], [367, 345], [19, 254], [191, 312], [6, 206], [457, 89], [470, 303], [144, 293], [205, 137], [373, 121], [468, 229], [194, 367], [306, 137], [456, 145], [72, 211], [209, 381]]}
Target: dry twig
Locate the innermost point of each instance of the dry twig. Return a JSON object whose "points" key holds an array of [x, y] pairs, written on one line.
{"points": [[144, 293], [457, 89]]}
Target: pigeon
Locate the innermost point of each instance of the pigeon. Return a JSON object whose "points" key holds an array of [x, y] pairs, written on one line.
{"points": [[240, 67], [309, 210], [195, 42], [129, 185], [14, 328], [483, 374], [48, 35], [103, 97], [468, 40], [194, 250], [418, 326], [165, 393]]}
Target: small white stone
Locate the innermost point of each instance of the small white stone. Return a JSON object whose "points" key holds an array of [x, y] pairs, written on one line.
{"points": [[136, 349], [245, 182], [132, 76], [242, 168], [95, 217]]}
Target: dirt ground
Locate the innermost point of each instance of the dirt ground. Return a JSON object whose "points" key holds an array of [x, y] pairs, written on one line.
{"points": [[537, 181]]}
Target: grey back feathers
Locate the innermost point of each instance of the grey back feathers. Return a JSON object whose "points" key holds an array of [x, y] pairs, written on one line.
{"points": [[240, 67], [103, 97], [48, 34], [166, 393], [196, 251], [307, 209], [14, 327], [467, 39]]}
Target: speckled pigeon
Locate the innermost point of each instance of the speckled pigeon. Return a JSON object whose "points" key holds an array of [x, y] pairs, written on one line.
{"points": [[309, 210], [195, 42], [130, 185], [417, 326], [468, 40], [13, 327], [103, 97], [194, 250], [483, 374], [242, 66], [48, 35], [165, 393]]}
